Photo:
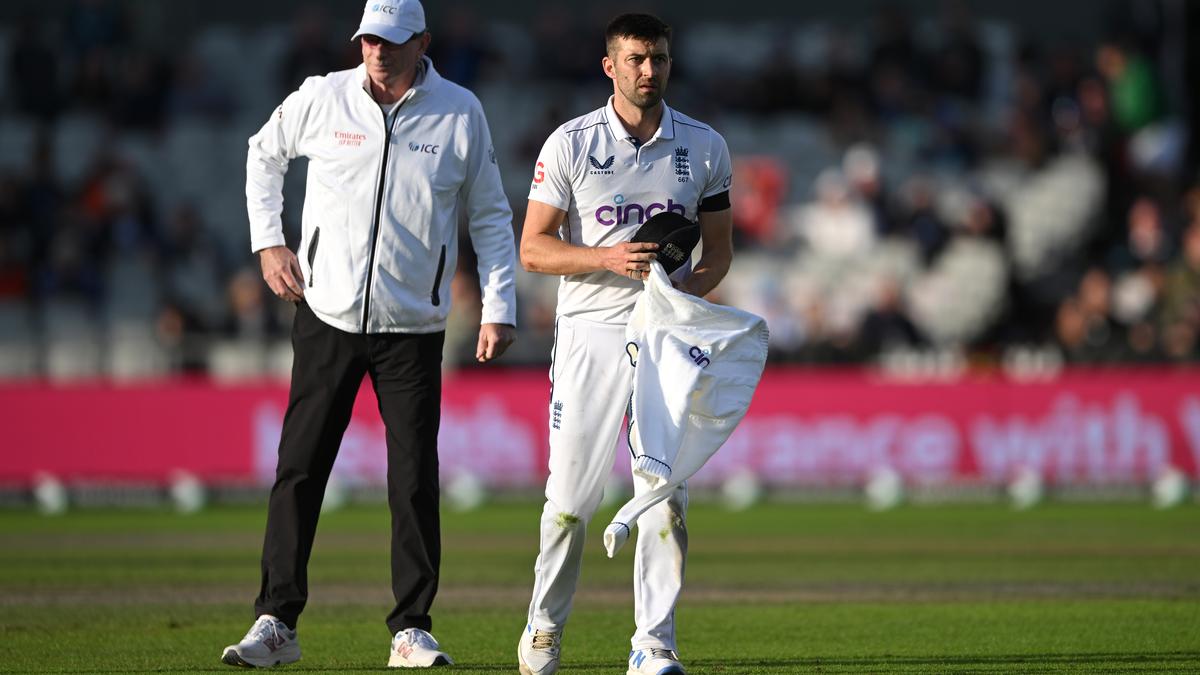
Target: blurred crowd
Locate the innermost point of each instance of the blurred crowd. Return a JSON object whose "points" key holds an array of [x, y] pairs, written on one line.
{"points": [[939, 184]]}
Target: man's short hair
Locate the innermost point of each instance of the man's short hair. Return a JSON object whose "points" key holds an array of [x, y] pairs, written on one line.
{"points": [[644, 27]]}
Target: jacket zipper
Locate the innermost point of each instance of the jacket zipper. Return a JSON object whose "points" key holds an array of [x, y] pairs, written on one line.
{"points": [[434, 296], [312, 255], [387, 143]]}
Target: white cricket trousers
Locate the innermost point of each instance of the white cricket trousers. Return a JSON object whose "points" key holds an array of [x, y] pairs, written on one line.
{"points": [[591, 378]]}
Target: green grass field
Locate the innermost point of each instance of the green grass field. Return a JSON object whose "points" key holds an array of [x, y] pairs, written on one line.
{"points": [[777, 589]]}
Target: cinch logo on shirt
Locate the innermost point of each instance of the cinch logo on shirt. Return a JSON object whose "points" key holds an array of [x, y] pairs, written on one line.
{"points": [[620, 213]]}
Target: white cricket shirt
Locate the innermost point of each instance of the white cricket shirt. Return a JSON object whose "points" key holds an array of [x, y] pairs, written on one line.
{"points": [[592, 168]]}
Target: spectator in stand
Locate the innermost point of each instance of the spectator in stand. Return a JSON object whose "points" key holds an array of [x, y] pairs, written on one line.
{"points": [[1180, 318], [115, 208], [757, 195], [461, 52], [836, 226], [886, 327], [14, 240], [41, 203], [34, 68], [961, 294], [557, 39], [920, 221], [958, 66], [197, 94], [72, 268], [1133, 89], [861, 165], [1086, 331], [1147, 241], [309, 51], [142, 84], [92, 87], [250, 316], [193, 268]]}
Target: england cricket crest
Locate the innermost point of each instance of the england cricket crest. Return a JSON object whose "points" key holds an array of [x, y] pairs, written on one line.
{"points": [[683, 165]]}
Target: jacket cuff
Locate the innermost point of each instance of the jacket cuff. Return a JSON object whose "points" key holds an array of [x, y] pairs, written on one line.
{"points": [[499, 314], [258, 243]]}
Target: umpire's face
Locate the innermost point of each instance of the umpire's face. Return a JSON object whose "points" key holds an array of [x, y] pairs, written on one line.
{"points": [[639, 70], [388, 61]]}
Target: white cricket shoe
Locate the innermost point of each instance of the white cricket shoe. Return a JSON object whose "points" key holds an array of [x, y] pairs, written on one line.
{"points": [[269, 642], [415, 648], [654, 662], [537, 652]]}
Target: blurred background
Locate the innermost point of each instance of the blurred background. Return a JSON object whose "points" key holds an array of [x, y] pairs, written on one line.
{"points": [[973, 228]]}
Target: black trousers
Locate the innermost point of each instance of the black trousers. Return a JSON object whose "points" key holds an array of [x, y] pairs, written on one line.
{"points": [[327, 371]]}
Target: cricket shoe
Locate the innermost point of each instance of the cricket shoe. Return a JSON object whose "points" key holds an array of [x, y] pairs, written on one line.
{"points": [[269, 642], [537, 652], [654, 661], [415, 648]]}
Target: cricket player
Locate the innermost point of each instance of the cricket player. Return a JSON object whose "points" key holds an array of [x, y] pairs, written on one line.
{"points": [[598, 178]]}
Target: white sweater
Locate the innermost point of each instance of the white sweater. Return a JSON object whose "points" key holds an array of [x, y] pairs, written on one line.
{"points": [[697, 365]]}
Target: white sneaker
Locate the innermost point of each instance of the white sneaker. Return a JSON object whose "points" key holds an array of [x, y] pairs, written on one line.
{"points": [[415, 648], [537, 652], [269, 642], [654, 662]]}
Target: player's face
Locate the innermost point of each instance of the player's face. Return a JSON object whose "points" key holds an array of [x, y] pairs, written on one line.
{"points": [[387, 60], [639, 70]]}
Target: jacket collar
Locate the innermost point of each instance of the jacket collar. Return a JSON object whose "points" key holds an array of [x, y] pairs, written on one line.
{"points": [[427, 78], [666, 126]]}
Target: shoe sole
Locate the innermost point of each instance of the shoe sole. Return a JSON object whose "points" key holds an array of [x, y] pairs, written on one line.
{"points": [[526, 671], [405, 663], [231, 657], [669, 670]]}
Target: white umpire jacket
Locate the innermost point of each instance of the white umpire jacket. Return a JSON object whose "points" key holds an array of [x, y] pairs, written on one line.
{"points": [[696, 366], [379, 240]]}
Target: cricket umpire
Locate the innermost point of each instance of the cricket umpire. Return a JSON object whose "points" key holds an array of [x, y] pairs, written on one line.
{"points": [[396, 154]]}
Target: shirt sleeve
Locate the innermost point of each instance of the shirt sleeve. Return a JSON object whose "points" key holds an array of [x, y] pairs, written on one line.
{"points": [[552, 173], [720, 168], [271, 149], [490, 221]]}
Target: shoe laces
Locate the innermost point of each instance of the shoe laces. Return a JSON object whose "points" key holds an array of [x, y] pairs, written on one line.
{"points": [[544, 639], [266, 629], [418, 638], [659, 653]]}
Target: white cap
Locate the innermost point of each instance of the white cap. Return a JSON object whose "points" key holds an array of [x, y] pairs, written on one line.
{"points": [[393, 20]]}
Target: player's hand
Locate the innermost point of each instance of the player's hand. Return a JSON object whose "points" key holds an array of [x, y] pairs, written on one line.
{"points": [[494, 338], [281, 271], [629, 259]]}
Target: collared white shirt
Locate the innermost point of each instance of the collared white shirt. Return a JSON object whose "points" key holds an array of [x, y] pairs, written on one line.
{"points": [[608, 184]]}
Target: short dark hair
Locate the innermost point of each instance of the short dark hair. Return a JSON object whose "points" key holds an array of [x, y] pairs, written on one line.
{"points": [[645, 27]]}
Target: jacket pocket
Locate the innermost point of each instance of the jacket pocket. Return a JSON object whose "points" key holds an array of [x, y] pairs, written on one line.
{"points": [[312, 255], [434, 296]]}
